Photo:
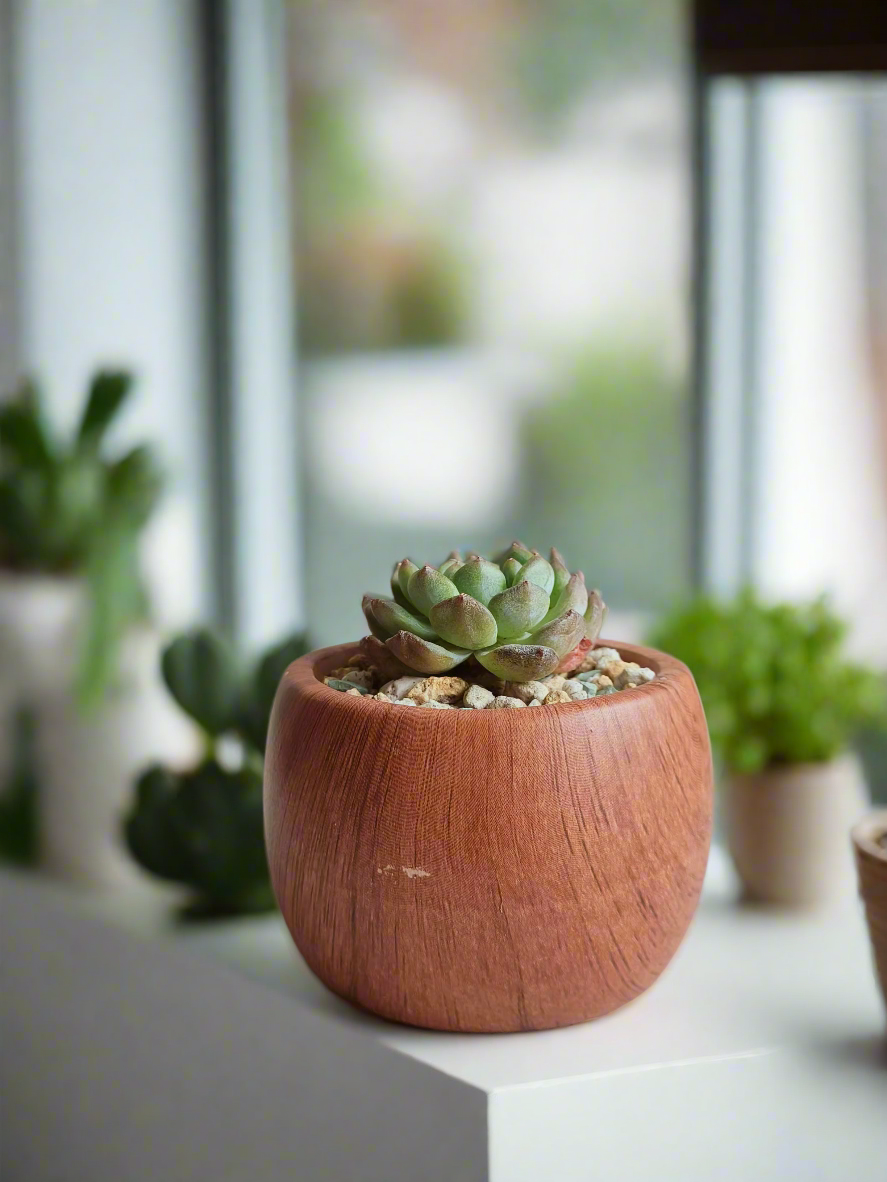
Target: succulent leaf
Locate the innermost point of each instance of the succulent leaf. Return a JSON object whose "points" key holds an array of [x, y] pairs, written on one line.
{"points": [[595, 614], [427, 587], [573, 596], [480, 579], [561, 573], [519, 609], [562, 634], [424, 656], [449, 568], [405, 570], [539, 571], [464, 622], [519, 662], [396, 592], [373, 624], [394, 618], [511, 568], [517, 551]]}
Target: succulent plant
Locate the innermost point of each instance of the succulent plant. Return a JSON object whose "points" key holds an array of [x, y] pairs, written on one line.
{"points": [[67, 508], [203, 827], [520, 616]]}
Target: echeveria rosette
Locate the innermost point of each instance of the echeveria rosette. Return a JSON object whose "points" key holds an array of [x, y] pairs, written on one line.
{"points": [[521, 617]]}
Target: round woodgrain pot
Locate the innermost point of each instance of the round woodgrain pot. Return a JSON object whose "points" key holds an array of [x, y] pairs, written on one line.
{"points": [[490, 870], [870, 847]]}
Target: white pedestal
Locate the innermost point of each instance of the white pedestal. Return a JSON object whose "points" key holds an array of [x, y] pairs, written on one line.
{"points": [[131, 1050]]}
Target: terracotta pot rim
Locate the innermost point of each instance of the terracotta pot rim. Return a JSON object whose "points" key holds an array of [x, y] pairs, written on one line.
{"points": [[307, 673], [779, 769], [865, 835]]}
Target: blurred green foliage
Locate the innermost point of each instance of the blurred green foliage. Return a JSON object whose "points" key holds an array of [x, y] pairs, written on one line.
{"points": [[203, 827], [773, 679], [560, 47], [373, 274], [605, 470], [67, 509]]}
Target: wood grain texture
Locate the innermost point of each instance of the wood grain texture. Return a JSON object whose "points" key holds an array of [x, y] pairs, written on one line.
{"points": [[488, 870], [871, 863]]}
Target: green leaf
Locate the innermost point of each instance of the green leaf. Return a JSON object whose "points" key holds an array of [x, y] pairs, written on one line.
{"points": [[116, 600], [538, 570], [23, 437], [135, 484], [391, 618], [427, 587], [203, 676], [480, 579], [519, 608], [464, 622], [107, 393], [204, 829], [425, 656], [519, 662]]}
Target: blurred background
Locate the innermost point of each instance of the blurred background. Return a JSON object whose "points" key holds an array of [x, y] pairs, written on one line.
{"points": [[393, 277]]}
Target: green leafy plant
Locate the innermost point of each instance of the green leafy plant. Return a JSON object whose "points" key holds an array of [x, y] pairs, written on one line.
{"points": [[203, 827], [519, 616], [67, 509], [773, 678]]}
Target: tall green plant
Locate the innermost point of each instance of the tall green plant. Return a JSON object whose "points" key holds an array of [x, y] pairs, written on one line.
{"points": [[774, 680], [203, 827], [66, 508]]}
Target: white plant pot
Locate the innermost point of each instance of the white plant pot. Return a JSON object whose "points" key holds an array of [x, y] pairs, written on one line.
{"points": [[787, 830], [86, 759], [87, 762], [39, 627], [40, 618]]}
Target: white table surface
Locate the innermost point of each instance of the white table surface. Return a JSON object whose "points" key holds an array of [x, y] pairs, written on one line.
{"points": [[759, 1054]]}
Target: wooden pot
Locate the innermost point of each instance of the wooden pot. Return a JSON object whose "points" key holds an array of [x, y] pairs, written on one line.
{"points": [[489, 870], [787, 830], [870, 848]]}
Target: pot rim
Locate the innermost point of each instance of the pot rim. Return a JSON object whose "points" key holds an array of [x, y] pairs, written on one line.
{"points": [[865, 834], [305, 676]]}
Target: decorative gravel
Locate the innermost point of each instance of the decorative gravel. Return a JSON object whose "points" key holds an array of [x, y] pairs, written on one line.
{"points": [[601, 672]]}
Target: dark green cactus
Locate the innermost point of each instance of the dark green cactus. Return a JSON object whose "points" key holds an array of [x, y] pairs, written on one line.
{"points": [[203, 828], [519, 616]]}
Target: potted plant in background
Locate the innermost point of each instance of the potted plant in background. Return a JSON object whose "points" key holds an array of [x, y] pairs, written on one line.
{"points": [[76, 648], [783, 705], [870, 847], [473, 863], [202, 827]]}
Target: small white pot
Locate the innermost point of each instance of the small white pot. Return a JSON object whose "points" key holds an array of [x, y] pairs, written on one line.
{"points": [[87, 762], [40, 624], [787, 830]]}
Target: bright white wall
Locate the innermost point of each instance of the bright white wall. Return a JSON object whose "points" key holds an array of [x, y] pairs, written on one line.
{"points": [[111, 239], [821, 492]]}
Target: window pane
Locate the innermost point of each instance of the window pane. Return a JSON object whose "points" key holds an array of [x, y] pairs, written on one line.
{"points": [[493, 246]]}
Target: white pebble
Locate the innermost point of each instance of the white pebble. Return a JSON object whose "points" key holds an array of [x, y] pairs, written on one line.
{"points": [[477, 698], [400, 687]]}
